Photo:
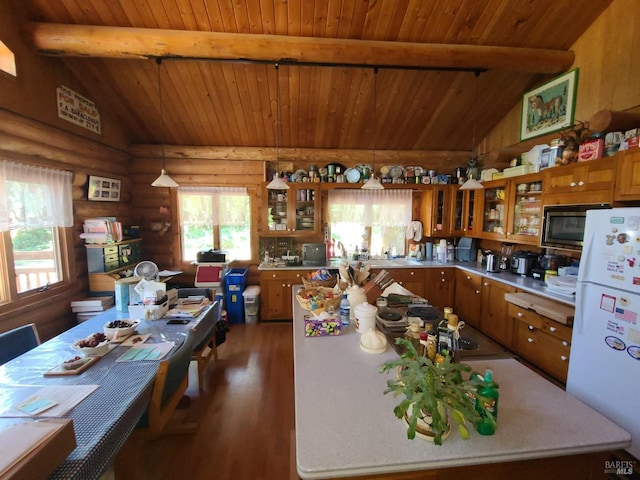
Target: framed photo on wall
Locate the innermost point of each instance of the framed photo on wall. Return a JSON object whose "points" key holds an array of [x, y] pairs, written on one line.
{"points": [[102, 189], [549, 107]]}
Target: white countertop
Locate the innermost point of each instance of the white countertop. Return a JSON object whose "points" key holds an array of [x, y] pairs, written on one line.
{"points": [[527, 284], [345, 426]]}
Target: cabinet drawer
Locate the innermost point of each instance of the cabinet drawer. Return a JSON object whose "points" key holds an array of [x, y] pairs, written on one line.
{"points": [[527, 316], [112, 250], [469, 279], [543, 350], [111, 258], [562, 332]]}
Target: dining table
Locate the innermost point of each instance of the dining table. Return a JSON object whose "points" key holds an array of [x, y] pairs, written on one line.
{"points": [[119, 387]]}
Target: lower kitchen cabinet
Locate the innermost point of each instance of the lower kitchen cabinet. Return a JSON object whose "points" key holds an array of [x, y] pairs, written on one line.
{"points": [[542, 341], [276, 293], [413, 279], [468, 298], [495, 320], [440, 286]]}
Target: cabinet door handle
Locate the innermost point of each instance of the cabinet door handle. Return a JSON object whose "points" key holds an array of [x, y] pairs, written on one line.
{"points": [[530, 340], [520, 314], [412, 273], [284, 285], [565, 344], [477, 292], [572, 184], [531, 327], [442, 274], [580, 183], [552, 329], [485, 284], [468, 277], [563, 358], [442, 280]]}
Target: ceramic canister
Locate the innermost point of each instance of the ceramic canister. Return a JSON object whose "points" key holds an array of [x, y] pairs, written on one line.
{"points": [[365, 317]]}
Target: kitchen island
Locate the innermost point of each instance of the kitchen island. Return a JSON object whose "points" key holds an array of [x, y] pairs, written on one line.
{"points": [[345, 426]]}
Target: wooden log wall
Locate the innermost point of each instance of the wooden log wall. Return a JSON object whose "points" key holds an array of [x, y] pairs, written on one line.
{"points": [[24, 140]]}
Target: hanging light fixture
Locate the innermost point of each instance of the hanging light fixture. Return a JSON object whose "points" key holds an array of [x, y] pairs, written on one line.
{"points": [[277, 183], [164, 180], [373, 183], [473, 169]]}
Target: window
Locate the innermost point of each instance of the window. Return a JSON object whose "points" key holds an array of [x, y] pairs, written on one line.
{"points": [[215, 217], [35, 204], [372, 219], [7, 60]]}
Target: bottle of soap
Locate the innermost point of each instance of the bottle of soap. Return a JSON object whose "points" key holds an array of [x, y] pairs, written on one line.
{"points": [[488, 395]]}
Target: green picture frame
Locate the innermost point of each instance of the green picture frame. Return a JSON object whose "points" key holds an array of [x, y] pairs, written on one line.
{"points": [[549, 107]]}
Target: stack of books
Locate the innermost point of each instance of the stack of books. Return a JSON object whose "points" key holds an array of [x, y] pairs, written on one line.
{"points": [[189, 307], [102, 230], [90, 307]]}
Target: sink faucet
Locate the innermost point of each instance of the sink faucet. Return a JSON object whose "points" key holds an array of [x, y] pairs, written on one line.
{"points": [[343, 251]]}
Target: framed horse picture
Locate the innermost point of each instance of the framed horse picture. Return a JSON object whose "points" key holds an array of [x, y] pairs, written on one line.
{"points": [[549, 107]]}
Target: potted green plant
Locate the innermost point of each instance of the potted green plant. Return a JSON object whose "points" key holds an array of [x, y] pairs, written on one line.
{"points": [[435, 394]]}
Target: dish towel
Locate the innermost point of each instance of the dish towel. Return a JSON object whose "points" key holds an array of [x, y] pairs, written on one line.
{"points": [[414, 231]]}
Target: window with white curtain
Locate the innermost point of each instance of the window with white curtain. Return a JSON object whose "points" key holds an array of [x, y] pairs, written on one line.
{"points": [[35, 204], [373, 219], [215, 217]]}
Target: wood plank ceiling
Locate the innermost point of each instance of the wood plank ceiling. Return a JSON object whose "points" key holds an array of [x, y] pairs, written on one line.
{"points": [[214, 103]]}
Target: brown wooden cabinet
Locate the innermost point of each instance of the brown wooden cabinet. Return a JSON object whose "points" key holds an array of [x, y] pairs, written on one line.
{"points": [[440, 286], [628, 176], [495, 320], [435, 210], [468, 298], [582, 182], [464, 212], [524, 209], [413, 279], [292, 212], [494, 209], [276, 293], [542, 341]]}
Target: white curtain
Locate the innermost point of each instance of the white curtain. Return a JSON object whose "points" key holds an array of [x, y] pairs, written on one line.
{"points": [[387, 208], [34, 197], [212, 206]]}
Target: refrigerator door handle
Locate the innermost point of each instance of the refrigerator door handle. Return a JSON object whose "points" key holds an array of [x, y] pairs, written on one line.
{"points": [[586, 253], [578, 319]]}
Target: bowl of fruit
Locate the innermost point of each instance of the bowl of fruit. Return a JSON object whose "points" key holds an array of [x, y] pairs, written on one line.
{"points": [[119, 329], [96, 344]]}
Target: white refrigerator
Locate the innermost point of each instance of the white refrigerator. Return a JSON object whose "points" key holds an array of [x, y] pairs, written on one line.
{"points": [[604, 366]]}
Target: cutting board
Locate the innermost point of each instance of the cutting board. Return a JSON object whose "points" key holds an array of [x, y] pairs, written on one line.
{"points": [[547, 308], [59, 371]]}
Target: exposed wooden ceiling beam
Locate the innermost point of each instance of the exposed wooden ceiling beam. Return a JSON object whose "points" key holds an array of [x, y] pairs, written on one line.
{"points": [[123, 42]]}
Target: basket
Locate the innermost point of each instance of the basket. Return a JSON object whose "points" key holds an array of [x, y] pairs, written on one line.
{"points": [[330, 283], [318, 299]]}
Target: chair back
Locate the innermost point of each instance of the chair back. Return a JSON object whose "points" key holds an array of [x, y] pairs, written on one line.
{"points": [[18, 341], [174, 370]]}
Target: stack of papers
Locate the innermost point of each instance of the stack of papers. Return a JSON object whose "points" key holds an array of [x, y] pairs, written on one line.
{"points": [[189, 307]]}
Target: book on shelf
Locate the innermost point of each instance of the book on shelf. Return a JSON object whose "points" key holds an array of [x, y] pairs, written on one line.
{"points": [[106, 228]]}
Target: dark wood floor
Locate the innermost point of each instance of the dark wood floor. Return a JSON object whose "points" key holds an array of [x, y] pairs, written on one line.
{"points": [[245, 416]]}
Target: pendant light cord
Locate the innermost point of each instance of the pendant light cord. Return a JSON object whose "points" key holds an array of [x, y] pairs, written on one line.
{"points": [[159, 63], [277, 120], [375, 117]]}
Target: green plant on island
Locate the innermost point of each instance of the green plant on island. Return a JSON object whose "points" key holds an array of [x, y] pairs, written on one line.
{"points": [[442, 390]]}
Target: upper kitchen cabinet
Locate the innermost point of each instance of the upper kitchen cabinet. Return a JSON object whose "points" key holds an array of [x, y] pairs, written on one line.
{"points": [[464, 212], [583, 182], [525, 209], [293, 212], [435, 210], [628, 176], [494, 210]]}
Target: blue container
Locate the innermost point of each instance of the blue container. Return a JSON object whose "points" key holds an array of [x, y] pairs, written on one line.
{"points": [[235, 281]]}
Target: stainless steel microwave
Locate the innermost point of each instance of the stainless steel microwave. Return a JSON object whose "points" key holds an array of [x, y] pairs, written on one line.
{"points": [[563, 225]]}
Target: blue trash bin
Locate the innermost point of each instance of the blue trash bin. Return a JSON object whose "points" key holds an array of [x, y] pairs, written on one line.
{"points": [[235, 281]]}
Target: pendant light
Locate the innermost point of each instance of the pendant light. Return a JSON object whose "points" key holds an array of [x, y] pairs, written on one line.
{"points": [[277, 183], [372, 182], [472, 183], [164, 180]]}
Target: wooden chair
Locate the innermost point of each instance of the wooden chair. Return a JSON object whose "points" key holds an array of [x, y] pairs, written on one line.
{"points": [[171, 382], [207, 348], [18, 341]]}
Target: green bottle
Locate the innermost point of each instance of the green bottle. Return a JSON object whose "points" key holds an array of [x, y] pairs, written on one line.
{"points": [[488, 393]]}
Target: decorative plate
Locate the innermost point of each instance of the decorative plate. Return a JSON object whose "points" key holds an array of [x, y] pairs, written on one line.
{"points": [[353, 175], [385, 170], [396, 171], [442, 178]]}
